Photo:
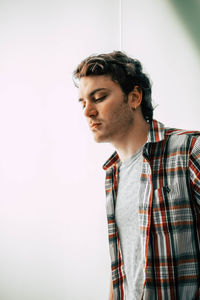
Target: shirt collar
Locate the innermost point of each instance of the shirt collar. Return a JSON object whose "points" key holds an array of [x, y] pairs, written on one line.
{"points": [[156, 134]]}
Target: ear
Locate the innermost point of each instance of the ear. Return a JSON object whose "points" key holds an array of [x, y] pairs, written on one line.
{"points": [[135, 97]]}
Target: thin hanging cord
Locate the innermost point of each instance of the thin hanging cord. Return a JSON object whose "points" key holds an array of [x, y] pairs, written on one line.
{"points": [[120, 25]]}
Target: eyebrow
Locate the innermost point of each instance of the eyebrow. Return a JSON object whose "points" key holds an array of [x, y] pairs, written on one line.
{"points": [[92, 93]]}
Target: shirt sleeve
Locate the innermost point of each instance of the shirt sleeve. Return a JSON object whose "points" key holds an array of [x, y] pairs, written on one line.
{"points": [[194, 168]]}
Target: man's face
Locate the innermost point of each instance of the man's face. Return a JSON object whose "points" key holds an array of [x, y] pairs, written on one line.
{"points": [[106, 108]]}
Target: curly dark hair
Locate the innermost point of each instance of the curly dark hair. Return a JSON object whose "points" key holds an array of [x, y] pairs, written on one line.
{"points": [[124, 70]]}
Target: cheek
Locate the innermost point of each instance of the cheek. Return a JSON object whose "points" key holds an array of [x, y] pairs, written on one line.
{"points": [[107, 110]]}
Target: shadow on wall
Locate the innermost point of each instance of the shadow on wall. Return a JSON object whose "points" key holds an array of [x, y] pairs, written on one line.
{"points": [[189, 12]]}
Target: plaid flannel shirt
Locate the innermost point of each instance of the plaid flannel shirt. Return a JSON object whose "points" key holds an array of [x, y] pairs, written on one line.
{"points": [[169, 215]]}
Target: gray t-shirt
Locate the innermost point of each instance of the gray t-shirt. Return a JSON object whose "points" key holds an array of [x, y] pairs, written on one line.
{"points": [[126, 214]]}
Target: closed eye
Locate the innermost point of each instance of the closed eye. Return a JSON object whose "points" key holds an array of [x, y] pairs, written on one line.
{"points": [[99, 99], [94, 100]]}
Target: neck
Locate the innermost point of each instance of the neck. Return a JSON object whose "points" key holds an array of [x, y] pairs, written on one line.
{"points": [[133, 140]]}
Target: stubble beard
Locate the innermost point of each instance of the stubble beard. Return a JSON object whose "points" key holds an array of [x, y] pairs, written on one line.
{"points": [[123, 121]]}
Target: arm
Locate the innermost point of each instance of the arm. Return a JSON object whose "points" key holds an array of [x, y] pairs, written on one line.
{"points": [[111, 289], [194, 167]]}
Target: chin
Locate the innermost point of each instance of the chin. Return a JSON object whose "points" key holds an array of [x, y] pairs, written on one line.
{"points": [[100, 139]]}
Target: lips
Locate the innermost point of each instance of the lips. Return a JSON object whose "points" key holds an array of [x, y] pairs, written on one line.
{"points": [[94, 125]]}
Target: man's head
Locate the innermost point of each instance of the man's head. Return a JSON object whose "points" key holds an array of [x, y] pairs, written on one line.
{"points": [[124, 71]]}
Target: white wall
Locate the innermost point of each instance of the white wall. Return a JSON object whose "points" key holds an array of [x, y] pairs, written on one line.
{"points": [[52, 219], [53, 230], [155, 33]]}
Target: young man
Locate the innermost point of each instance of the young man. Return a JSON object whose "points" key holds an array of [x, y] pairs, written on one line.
{"points": [[152, 183]]}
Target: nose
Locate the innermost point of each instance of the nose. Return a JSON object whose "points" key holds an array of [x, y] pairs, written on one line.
{"points": [[90, 110]]}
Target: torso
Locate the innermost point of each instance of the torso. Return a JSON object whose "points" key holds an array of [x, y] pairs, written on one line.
{"points": [[126, 215]]}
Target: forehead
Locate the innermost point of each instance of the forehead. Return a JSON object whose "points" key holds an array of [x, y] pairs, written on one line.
{"points": [[91, 83]]}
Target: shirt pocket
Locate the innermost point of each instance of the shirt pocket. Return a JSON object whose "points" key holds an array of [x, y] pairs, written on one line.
{"points": [[171, 210]]}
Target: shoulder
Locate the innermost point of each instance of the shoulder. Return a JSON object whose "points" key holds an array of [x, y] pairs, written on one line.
{"points": [[180, 138], [159, 133], [181, 134]]}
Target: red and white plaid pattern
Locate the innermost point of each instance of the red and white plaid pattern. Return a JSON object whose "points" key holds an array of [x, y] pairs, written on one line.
{"points": [[169, 215]]}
